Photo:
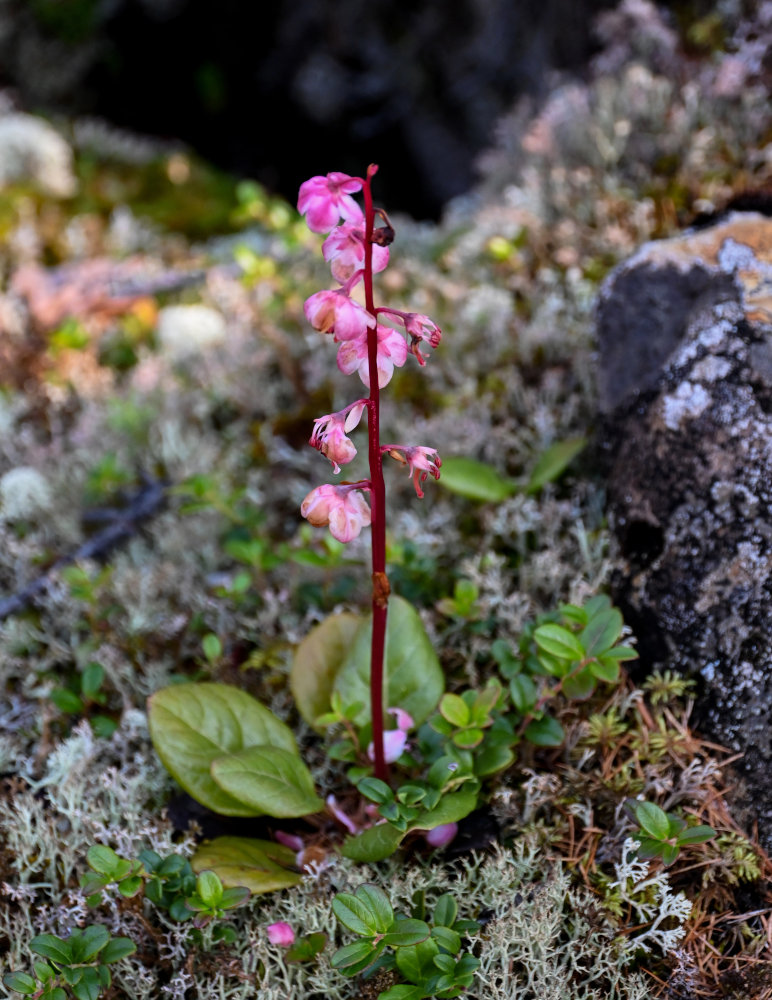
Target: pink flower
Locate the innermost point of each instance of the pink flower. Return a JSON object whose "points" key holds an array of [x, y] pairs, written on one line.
{"points": [[421, 462], [441, 835], [343, 508], [390, 352], [344, 250], [394, 740], [420, 328], [329, 435], [323, 200], [280, 934], [334, 312]]}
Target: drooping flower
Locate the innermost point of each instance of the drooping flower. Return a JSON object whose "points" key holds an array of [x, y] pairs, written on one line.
{"points": [[344, 250], [343, 508], [421, 462], [329, 435], [421, 328], [323, 200], [280, 934], [394, 740], [391, 352], [334, 312]]}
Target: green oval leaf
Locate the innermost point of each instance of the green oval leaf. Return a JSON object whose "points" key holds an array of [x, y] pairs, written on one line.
{"points": [[116, 949], [192, 725], [546, 732], [413, 678], [317, 661], [601, 632], [406, 932], [455, 710], [579, 685], [209, 887], [558, 641], [417, 963], [268, 780], [552, 463], [606, 669], [51, 947], [354, 957], [474, 480], [364, 914], [653, 820], [696, 835], [375, 844], [19, 982], [258, 865]]}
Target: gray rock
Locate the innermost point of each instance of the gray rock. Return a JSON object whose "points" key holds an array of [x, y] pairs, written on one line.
{"points": [[685, 370]]}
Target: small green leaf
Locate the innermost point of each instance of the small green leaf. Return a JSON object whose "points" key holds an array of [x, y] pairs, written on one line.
{"points": [[492, 759], [258, 865], [105, 861], [317, 661], [552, 463], [669, 854], [601, 632], [209, 888], [403, 992], [374, 844], [468, 739], [445, 910], [558, 641], [212, 647], [546, 732], [696, 835], [476, 481], [605, 669], [449, 939], [352, 958], [355, 914], [621, 653], [417, 962], [129, 887], [89, 986], [375, 790], [306, 948], [269, 780], [455, 710], [84, 945], [51, 947], [19, 982], [231, 898], [653, 820], [67, 701], [91, 680], [523, 692], [116, 949], [580, 685], [406, 932]]}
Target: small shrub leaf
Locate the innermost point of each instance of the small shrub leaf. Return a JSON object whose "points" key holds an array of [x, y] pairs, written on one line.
{"points": [[558, 641], [653, 820]]}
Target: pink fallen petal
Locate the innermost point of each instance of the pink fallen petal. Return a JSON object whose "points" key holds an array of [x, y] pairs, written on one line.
{"points": [[339, 815], [394, 741], [280, 934]]}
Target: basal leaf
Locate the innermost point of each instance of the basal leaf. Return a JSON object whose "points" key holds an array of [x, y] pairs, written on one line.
{"points": [[317, 661], [375, 844], [193, 724], [551, 463], [413, 677], [268, 780], [472, 479], [259, 865]]}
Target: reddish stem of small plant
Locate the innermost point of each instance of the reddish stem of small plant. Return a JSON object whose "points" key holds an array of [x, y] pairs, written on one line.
{"points": [[377, 501]]}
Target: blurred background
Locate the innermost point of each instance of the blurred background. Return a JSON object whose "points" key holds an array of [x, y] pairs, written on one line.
{"points": [[279, 90]]}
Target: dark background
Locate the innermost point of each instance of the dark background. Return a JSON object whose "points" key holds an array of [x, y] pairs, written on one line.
{"points": [[284, 89]]}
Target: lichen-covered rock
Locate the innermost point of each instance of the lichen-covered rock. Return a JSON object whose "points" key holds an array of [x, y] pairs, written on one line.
{"points": [[685, 338]]}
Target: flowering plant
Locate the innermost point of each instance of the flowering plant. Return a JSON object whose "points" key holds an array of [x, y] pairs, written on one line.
{"points": [[356, 249]]}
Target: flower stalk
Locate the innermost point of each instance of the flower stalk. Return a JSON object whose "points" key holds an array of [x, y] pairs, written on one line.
{"points": [[355, 250]]}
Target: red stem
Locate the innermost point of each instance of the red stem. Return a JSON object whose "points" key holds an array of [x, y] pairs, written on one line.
{"points": [[377, 500]]}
